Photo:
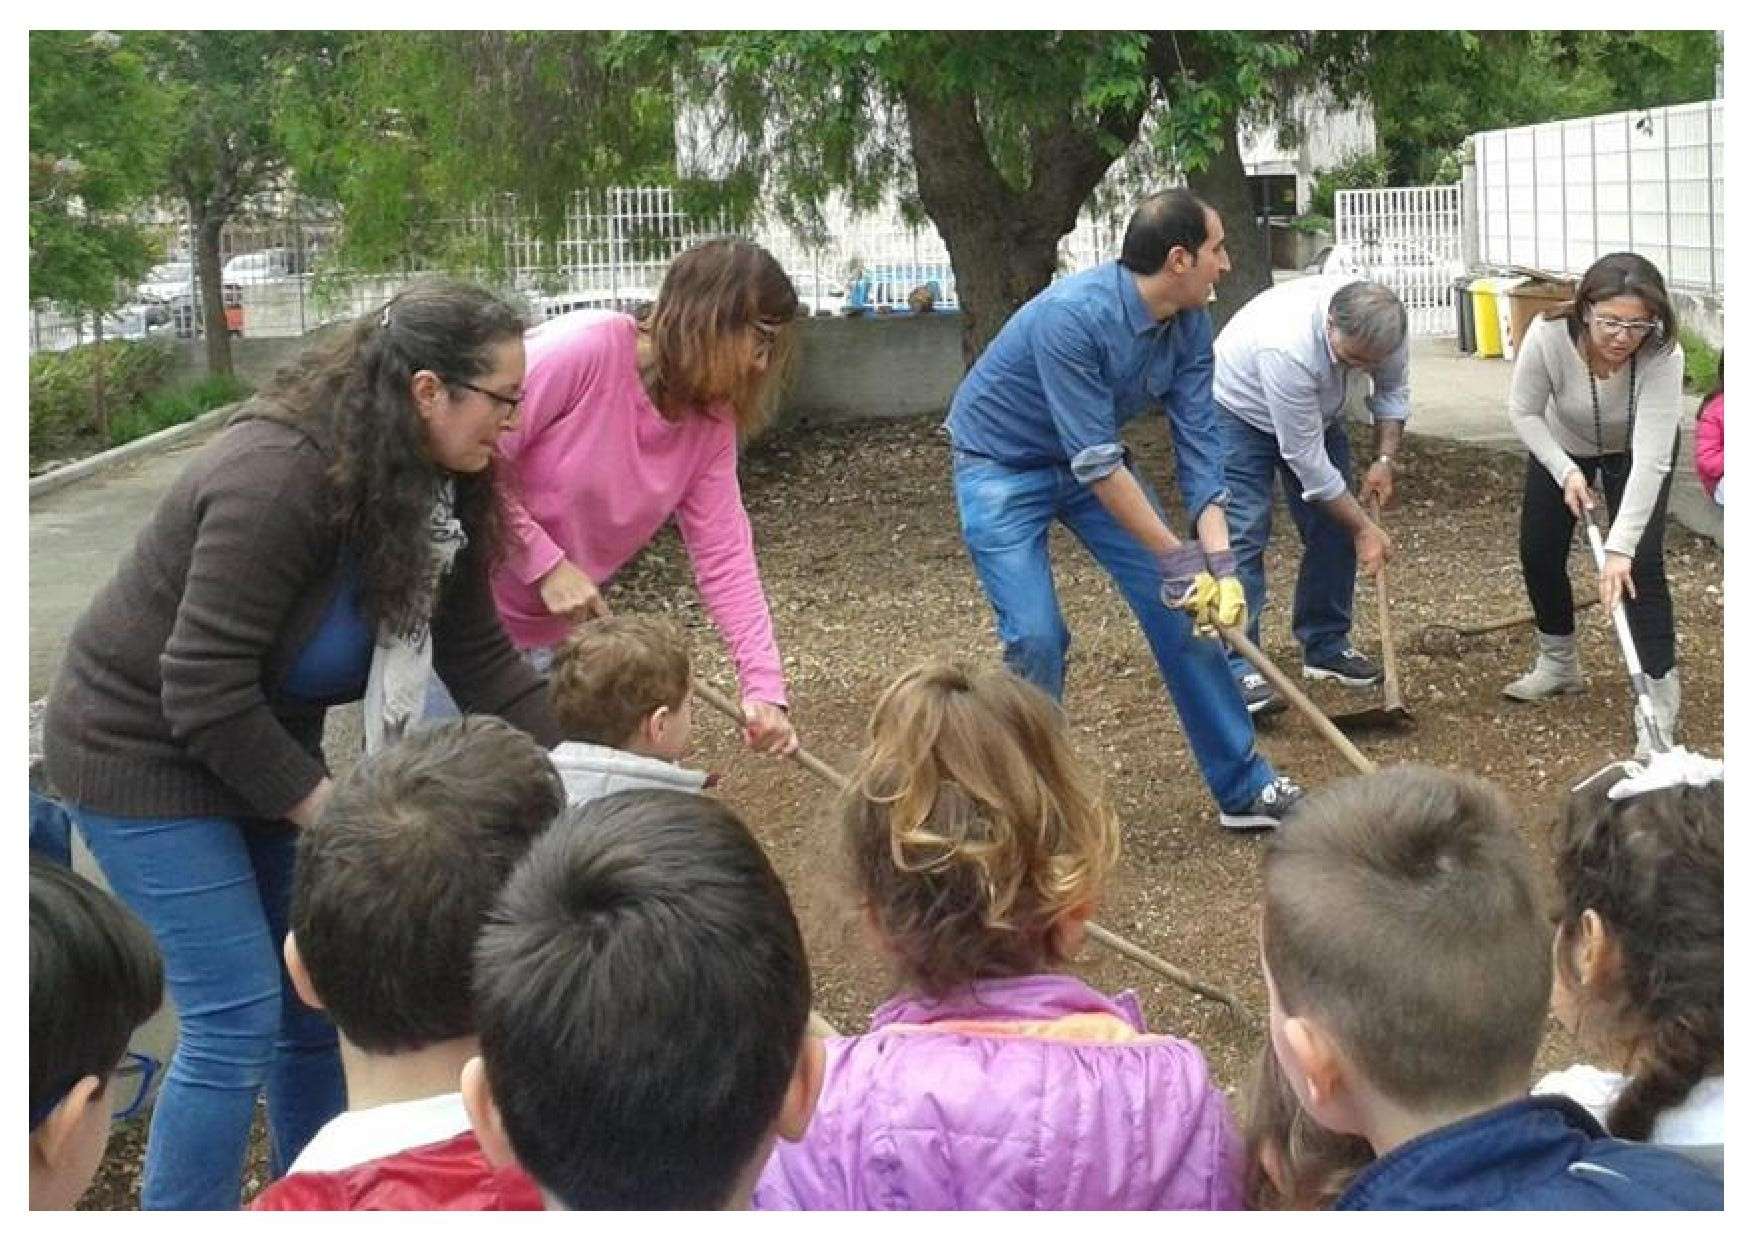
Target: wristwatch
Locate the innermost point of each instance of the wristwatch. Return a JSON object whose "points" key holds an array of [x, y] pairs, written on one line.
{"points": [[1386, 459]]}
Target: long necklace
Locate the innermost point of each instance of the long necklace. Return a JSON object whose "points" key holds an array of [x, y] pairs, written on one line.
{"points": [[1631, 406]]}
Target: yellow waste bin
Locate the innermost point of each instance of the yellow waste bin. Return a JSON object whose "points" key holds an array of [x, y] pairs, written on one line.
{"points": [[1491, 296]]}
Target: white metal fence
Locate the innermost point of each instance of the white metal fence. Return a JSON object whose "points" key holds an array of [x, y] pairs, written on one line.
{"points": [[611, 254], [1560, 195], [1408, 238]]}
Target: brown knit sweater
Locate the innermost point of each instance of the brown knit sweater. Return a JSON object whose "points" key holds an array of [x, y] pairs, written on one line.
{"points": [[166, 704]]}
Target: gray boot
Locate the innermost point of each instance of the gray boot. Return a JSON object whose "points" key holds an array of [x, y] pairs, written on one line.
{"points": [[1665, 696], [1555, 670]]}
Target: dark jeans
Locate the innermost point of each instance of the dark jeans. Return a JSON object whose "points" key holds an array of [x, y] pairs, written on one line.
{"points": [[1545, 543], [1321, 605]]}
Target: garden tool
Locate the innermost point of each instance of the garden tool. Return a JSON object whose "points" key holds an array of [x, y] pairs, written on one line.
{"points": [[1392, 713], [1650, 730], [1240, 643], [1438, 638], [1107, 938]]}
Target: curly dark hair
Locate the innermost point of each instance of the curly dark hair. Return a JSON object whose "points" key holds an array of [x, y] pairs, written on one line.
{"points": [[1652, 867], [357, 387]]}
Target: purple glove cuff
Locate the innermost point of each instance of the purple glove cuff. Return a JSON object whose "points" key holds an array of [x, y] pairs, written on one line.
{"points": [[1180, 566], [1221, 564]]}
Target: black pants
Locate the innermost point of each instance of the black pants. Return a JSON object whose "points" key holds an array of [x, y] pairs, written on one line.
{"points": [[1545, 541]]}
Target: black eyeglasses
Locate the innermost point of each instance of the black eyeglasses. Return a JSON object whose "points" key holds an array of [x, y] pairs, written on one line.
{"points": [[510, 402]]}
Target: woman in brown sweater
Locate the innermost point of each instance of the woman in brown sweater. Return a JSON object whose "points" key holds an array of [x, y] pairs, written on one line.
{"points": [[332, 544]]}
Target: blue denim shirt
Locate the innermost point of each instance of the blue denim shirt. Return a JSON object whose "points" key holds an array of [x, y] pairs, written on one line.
{"points": [[1079, 360], [1539, 1153], [1277, 373]]}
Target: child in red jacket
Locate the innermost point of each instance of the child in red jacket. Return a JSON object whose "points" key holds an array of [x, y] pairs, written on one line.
{"points": [[393, 884]]}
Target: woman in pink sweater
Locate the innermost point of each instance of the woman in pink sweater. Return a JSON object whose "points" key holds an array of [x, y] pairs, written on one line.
{"points": [[627, 424]]}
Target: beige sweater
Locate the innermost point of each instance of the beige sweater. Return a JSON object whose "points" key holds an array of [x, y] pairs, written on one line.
{"points": [[1551, 413]]}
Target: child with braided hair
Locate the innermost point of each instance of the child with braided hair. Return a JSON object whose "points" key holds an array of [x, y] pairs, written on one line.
{"points": [[978, 846], [1639, 952]]}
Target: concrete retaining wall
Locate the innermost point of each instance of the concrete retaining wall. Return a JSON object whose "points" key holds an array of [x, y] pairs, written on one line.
{"points": [[874, 366]]}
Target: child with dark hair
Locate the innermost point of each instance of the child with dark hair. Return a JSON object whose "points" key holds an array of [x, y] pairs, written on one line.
{"points": [[1407, 966], [978, 847], [622, 692], [1293, 1162], [1639, 956], [392, 885], [95, 976], [642, 992]]}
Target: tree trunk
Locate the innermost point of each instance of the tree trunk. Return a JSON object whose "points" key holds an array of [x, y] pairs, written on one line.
{"points": [[1003, 243], [206, 226], [100, 413], [1224, 184]]}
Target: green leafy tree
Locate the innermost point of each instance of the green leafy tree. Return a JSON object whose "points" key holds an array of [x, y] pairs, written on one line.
{"points": [[999, 138], [1431, 89], [93, 158], [219, 135]]}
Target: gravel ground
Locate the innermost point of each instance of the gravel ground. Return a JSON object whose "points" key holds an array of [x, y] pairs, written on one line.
{"points": [[866, 573]]}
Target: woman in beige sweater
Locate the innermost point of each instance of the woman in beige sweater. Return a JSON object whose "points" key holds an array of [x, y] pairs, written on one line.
{"points": [[1596, 397]]}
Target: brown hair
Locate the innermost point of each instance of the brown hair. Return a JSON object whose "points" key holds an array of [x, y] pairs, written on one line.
{"points": [[1652, 867], [357, 386], [970, 827], [712, 295], [1622, 275], [1401, 912], [613, 672], [395, 879], [1314, 1165]]}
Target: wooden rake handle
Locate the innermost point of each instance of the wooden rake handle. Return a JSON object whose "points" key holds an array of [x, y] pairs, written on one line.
{"points": [[1098, 934], [1240, 643], [1391, 675]]}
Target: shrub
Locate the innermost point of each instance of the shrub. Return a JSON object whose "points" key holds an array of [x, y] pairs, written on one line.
{"points": [[61, 389], [174, 406], [1701, 363], [1365, 170]]}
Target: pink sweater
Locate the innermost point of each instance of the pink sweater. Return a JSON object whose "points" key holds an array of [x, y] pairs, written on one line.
{"points": [[593, 473], [1708, 444]]}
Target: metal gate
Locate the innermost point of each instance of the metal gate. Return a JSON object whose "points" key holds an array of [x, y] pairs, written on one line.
{"points": [[1409, 238]]}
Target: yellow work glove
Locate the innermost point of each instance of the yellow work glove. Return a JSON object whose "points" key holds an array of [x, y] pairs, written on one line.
{"points": [[1197, 598], [1229, 605]]}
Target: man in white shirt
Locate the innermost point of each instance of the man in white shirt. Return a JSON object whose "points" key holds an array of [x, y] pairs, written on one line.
{"points": [[1282, 365]]}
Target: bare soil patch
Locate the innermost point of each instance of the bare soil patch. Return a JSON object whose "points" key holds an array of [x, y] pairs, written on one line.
{"points": [[866, 573]]}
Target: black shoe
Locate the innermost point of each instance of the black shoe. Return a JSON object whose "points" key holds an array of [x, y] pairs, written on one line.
{"points": [[1259, 696], [1269, 809], [1348, 667]]}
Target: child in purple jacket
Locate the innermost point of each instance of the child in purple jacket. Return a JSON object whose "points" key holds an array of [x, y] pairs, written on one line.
{"points": [[978, 846]]}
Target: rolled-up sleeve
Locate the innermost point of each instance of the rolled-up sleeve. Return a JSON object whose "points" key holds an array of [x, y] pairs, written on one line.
{"points": [[1391, 393], [1193, 419], [1290, 391], [1069, 361]]}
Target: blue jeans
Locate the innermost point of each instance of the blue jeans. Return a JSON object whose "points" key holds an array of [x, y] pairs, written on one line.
{"points": [[1321, 608], [51, 830], [1005, 516], [215, 892]]}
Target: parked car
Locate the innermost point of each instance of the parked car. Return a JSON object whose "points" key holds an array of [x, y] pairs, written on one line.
{"points": [[272, 263], [884, 289], [186, 320], [1418, 274]]}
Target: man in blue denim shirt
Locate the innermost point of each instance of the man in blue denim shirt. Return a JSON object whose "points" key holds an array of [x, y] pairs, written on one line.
{"points": [[1036, 429], [1282, 364]]}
